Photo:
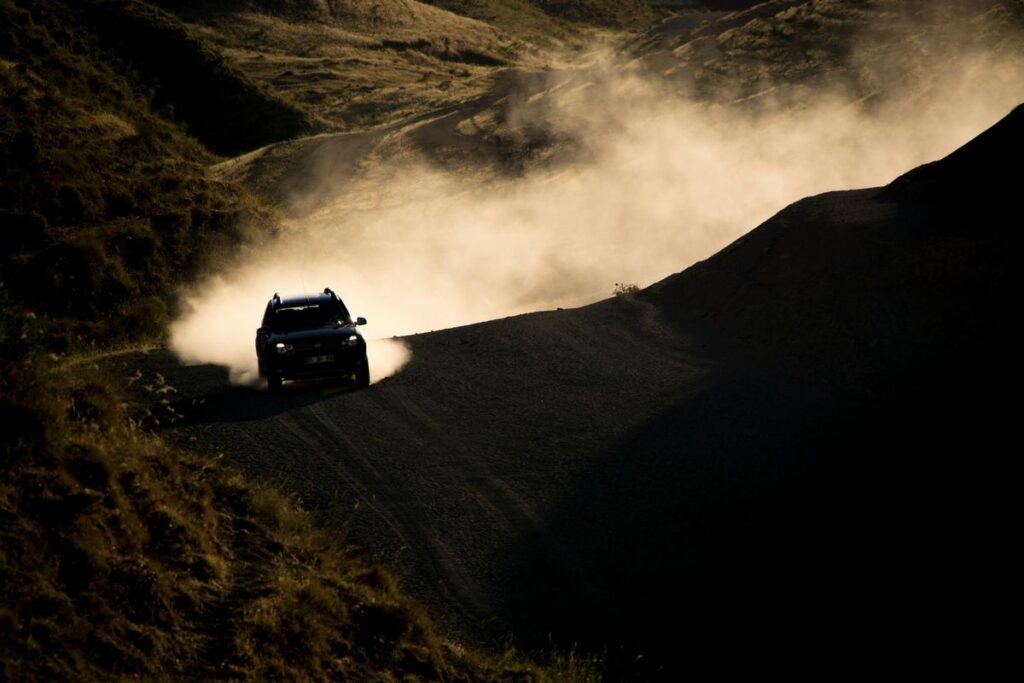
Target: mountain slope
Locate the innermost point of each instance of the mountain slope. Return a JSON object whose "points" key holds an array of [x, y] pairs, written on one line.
{"points": [[834, 484], [784, 458], [544, 13], [226, 111], [356, 65], [971, 182], [106, 201], [121, 557], [789, 50]]}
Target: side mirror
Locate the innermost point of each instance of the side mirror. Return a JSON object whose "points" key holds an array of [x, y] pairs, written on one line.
{"points": [[360, 321], [261, 330]]}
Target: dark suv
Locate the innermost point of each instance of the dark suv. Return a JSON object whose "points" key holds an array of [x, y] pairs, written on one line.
{"points": [[310, 336]]}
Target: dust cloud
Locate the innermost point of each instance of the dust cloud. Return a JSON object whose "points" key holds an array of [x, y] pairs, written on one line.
{"points": [[656, 182]]}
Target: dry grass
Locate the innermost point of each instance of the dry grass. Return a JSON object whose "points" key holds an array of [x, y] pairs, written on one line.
{"points": [[107, 207], [795, 50], [365, 65], [121, 556], [521, 18], [356, 65]]}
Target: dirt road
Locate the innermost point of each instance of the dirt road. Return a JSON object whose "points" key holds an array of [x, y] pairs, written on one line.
{"points": [[443, 469], [786, 455]]}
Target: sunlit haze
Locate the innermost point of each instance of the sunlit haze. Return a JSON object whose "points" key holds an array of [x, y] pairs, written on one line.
{"points": [[658, 182]]}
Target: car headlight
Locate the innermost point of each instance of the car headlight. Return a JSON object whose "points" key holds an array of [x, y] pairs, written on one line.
{"points": [[284, 348], [353, 340]]}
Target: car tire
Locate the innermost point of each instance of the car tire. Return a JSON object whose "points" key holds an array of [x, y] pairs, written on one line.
{"points": [[363, 374], [274, 383]]}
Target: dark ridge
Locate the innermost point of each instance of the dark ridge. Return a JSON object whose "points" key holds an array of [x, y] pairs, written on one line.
{"points": [[220, 107], [811, 252], [833, 497], [975, 178]]}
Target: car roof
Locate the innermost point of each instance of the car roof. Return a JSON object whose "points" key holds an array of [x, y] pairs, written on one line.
{"points": [[304, 300]]}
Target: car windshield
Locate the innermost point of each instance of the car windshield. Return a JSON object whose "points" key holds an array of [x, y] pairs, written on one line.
{"points": [[308, 317]]}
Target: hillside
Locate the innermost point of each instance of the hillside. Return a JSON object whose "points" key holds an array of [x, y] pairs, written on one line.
{"points": [[787, 50], [787, 457], [106, 197], [121, 556], [842, 68], [355, 65], [788, 450]]}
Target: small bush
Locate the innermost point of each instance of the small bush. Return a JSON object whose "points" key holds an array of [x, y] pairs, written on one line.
{"points": [[625, 289]]}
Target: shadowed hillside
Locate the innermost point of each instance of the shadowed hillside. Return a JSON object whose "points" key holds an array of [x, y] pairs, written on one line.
{"points": [[830, 497], [107, 204], [191, 82], [355, 65], [552, 14], [971, 185]]}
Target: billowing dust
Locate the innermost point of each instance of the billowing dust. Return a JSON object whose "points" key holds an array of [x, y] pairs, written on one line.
{"points": [[657, 182]]}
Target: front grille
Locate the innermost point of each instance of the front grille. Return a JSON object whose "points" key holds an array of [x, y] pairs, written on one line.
{"points": [[316, 348]]}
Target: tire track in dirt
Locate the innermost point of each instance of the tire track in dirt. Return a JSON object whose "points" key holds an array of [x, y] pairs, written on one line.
{"points": [[390, 500], [447, 470]]}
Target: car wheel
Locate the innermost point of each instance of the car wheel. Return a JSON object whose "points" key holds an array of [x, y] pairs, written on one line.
{"points": [[363, 374], [274, 383]]}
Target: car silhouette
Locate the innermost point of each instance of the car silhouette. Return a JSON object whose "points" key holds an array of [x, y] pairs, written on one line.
{"points": [[310, 336]]}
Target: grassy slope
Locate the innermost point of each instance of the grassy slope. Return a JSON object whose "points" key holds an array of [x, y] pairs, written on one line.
{"points": [[786, 49], [804, 47], [190, 81], [547, 14], [521, 18], [354, 65], [118, 554], [121, 556], [107, 207]]}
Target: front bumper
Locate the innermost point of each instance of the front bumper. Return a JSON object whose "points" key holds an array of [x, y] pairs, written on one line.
{"points": [[306, 364]]}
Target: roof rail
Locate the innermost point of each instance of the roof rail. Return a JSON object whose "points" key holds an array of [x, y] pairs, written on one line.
{"points": [[276, 298], [327, 290]]}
